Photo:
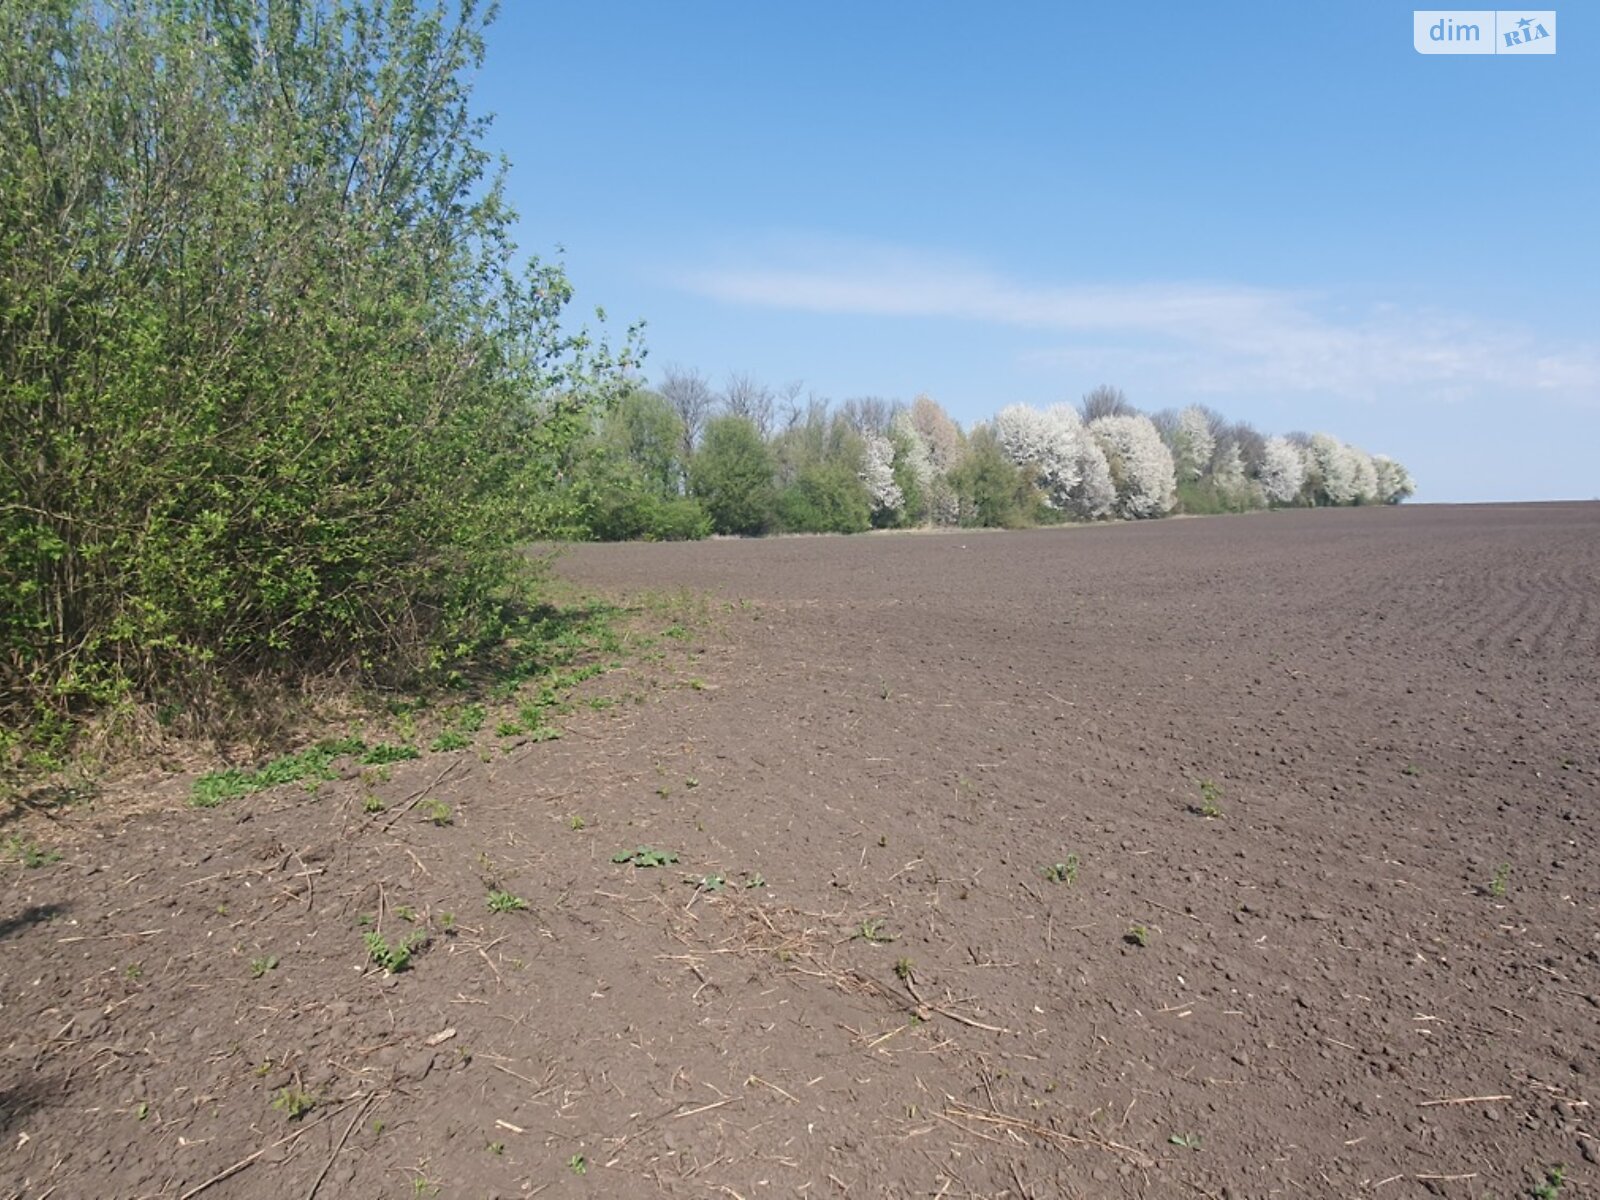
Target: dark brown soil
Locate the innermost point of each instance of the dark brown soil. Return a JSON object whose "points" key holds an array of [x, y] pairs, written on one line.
{"points": [[1374, 971]]}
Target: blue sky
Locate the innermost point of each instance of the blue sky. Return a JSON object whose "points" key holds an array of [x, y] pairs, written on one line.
{"points": [[1280, 210]]}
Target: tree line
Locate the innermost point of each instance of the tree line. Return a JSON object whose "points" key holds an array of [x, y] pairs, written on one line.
{"points": [[683, 460]]}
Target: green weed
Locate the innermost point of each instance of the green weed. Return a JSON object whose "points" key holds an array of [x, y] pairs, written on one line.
{"points": [[381, 754], [1063, 872], [501, 901], [1138, 935], [451, 739], [645, 856], [438, 812], [871, 930], [1499, 881], [260, 966], [314, 764], [1210, 799], [15, 850], [294, 1103], [1550, 1186], [397, 957]]}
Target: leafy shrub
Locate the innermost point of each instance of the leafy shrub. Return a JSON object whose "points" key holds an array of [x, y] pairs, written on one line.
{"points": [[732, 477], [828, 497], [285, 408]]}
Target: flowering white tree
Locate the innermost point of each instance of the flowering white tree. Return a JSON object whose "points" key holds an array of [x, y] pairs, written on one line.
{"points": [[1230, 480], [1096, 493], [877, 472], [1366, 475], [1193, 442], [1283, 470], [1394, 481], [1333, 468], [1141, 465], [938, 449], [914, 455], [1050, 443]]}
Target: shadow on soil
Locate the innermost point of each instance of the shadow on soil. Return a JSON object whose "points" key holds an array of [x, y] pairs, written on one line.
{"points": [[35, 915]]}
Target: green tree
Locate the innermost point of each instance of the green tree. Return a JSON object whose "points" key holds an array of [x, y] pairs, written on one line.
{"points": [[826, 497], [732, 476], [994, 492], [271, 398], [645, 430]]}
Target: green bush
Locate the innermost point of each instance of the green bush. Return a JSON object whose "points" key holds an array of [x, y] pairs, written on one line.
{"points": [[732, 477], [826, 498], [994, 492], [270, 399]]}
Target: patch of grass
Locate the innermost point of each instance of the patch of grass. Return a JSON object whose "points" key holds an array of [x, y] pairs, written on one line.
{"points": [[294, 1103], [497, 1148], [502, 901], [1137, 935], [871, 930], [1499, 880], [438, 812], [903, 970], [575, 823], [1189, 1141], [508, 729], [27, 854], [1065, 871], [645, 856], [450, 739], [314, 764], [372, 805], [578, 1164], [1550, 1186], [389, 754], [395, 957], [260, 966]]}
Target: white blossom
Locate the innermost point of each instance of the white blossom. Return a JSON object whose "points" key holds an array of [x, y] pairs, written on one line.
{"points": [[1334, 465], [1193, 443], [1283, 470], [914, 452], [1141, 465], [1366, 475], [877, 472], [1394, 481], [1096, 494], [1050, 443], [1229, 476]]}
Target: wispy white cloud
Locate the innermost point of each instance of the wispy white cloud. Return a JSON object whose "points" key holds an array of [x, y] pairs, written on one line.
{"points": [[1217, 337]]}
